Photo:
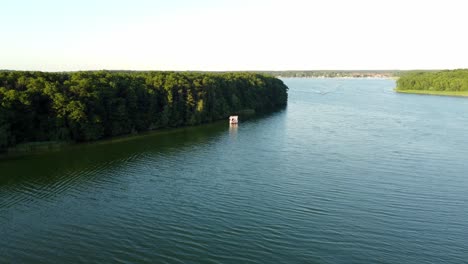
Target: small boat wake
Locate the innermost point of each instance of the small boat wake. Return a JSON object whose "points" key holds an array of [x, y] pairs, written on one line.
{"points": [[333, 90]]}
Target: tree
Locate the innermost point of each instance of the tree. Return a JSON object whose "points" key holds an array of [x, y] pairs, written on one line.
{"points": [[83, 106]]}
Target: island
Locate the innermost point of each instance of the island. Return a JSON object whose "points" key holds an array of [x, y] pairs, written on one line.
{"points": [[447, 82], [92, 105]]}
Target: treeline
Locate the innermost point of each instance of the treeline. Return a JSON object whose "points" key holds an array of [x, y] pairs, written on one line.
{"points": [[448, 80], [84, 106]]}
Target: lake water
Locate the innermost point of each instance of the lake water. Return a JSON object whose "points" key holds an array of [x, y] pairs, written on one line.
{"points": [[350, 172]]}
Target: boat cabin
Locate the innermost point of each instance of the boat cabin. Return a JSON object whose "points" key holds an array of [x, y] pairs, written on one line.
{"points": [[233, 120]]}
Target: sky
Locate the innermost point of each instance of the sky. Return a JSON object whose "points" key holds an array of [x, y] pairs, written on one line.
{"points": [[221, 35]]}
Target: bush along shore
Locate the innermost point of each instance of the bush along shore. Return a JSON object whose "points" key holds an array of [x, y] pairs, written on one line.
{"points": [[448, 82], [86, 106]]}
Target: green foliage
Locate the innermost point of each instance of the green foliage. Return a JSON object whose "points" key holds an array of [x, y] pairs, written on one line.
{"points": [[447, 81], [83, 106]]}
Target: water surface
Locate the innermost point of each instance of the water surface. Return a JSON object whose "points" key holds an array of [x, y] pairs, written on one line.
{"points": [[350, 172]]}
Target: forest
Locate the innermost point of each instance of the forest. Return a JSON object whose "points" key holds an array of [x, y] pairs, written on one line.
{"points": [[440, 81], [92, 105]]}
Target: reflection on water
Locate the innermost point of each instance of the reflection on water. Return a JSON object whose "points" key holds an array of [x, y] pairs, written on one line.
{"points": [[361, 175], [233, 130]]}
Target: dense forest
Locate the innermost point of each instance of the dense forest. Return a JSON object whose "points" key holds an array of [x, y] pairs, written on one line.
{"points": [[85, 106], [448, 81]]}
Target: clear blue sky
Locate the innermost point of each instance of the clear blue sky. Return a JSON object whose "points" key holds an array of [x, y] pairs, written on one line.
{"points": [[54, 35]]}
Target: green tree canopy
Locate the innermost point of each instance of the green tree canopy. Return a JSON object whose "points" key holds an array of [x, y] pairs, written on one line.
{"points": [[83, 106]]}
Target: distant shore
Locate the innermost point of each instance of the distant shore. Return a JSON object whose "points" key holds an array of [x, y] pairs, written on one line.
{"points": [[371, 74], [341, 77]]}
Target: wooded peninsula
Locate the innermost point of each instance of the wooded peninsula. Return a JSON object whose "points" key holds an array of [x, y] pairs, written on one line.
{"points": [[448, 82], [92, 105]]}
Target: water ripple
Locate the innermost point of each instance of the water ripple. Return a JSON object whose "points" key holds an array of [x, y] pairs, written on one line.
{"points": [[361, 175]]}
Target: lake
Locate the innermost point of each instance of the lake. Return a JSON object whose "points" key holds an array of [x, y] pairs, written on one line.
{"points": [[350, 172]]}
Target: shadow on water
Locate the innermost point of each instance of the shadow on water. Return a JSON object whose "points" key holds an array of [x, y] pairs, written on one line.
{"points": [[53, 165], [40, 177], [48, 168]]}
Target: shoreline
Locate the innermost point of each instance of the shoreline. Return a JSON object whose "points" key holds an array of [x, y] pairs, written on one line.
{"points": [[41, 147], [439, 93], [37, 148]]}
